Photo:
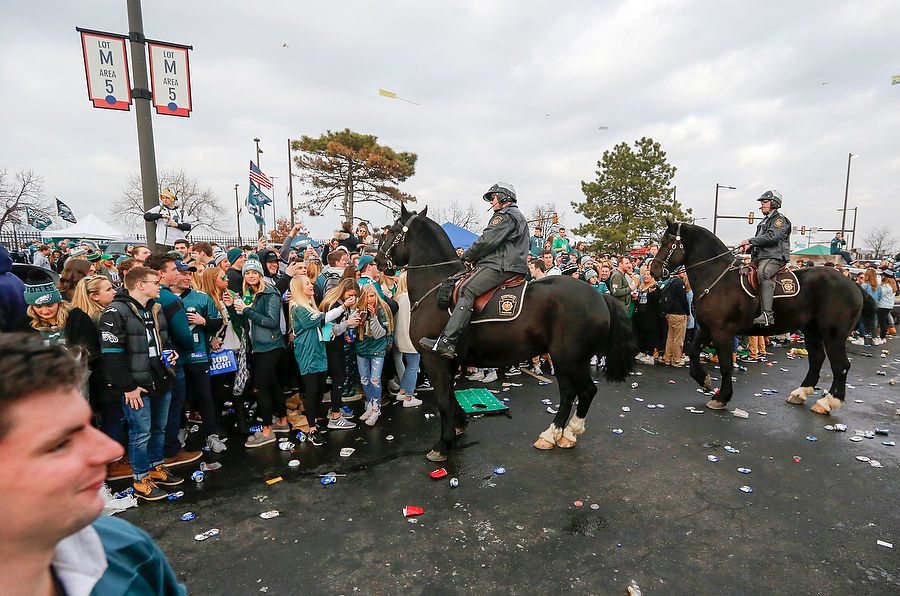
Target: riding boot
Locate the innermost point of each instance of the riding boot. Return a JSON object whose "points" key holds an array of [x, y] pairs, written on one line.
{"points": [[766, 297], [445, 344]]}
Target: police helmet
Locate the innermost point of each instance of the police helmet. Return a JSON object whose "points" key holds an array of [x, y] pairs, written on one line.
{"points": [[772, 195], [503, 188]]}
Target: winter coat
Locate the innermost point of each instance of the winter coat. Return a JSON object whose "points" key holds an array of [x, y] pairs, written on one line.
{"points": [[401, 325], [504, 243], [773, 238], [264, 318], [12, 294], [204, 306], [166, 234], [375, 342]]}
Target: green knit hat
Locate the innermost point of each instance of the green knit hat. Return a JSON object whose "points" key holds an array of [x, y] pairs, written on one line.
{"points": [[41, 291], [93, 257]]}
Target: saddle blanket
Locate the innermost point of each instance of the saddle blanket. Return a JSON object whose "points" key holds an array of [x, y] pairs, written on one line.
{"points": [[503, 303], [786, 284]]}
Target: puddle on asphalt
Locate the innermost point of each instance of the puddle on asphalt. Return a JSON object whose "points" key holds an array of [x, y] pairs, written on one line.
{"points": [[585, 524]]}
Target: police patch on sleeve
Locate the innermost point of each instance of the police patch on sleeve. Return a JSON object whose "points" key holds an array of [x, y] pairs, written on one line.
{"points": [[496, 220], [779, 222]]}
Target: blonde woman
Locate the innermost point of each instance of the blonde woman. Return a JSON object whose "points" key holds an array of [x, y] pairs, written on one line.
{"points": [[885, 303], [335, 347], [406, 358], [309, 326], [376, 321], [92, 295]]}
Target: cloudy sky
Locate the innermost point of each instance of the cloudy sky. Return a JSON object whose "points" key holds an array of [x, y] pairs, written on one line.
{"points": [[755, 95]]}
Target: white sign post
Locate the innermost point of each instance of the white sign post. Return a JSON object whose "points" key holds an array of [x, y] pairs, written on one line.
{"points": [[106, 68], [170, 79]]}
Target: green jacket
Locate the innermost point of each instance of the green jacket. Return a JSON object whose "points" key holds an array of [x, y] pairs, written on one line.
{"points": [[309, 349], [375, 343], [264, 317], [204, 306], [620, 287]]}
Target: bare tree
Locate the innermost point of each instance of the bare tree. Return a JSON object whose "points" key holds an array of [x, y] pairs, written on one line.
{"points": [[881, 240], [465, 216], [18, 192], [198, 203], [543, 216]]}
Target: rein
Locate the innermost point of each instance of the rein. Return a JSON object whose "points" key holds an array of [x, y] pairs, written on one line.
{"points": [[678, 244]]}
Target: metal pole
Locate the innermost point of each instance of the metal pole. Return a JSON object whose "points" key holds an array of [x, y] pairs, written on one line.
{"points": [[237, 212], [846, 191], [852, 242], [716, 210], [290, 182], [258, 151], [142, 96], [272, 178]]}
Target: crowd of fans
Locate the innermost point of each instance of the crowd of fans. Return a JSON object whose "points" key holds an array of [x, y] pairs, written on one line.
{"points": [[227, 335]]}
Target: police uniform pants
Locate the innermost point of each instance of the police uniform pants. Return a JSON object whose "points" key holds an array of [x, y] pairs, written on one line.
{"points": [[764, 271], [482, 280]]}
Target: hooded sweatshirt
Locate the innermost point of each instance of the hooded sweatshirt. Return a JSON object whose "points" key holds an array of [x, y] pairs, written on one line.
{"points": [[12, 294]]}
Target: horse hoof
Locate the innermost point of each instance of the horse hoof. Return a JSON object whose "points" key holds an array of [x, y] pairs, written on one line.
{"points": [[565, 443], [715, 404], [795, 398], [543, 444], [435, 456], [820, 409], [707, 383]]}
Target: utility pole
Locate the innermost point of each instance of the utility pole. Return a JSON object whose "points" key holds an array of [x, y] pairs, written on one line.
{"points": [[142, 96], [716, 207], [237, 212], [272, 178], [258, 151], [290, 182], [846, 192]]}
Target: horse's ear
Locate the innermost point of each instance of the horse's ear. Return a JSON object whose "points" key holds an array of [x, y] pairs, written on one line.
{"points": [[424, 211], [669, 222], [404, 214]]}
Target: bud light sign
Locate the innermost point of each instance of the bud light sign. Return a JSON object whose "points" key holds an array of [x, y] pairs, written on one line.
{"points": [[223, 362]]}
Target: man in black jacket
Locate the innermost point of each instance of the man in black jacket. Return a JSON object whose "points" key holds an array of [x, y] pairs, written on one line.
{"points": [[133, 340], [770, 249], [677, 314], [499, 253]]}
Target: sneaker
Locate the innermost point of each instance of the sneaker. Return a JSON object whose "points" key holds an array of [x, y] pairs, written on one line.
{"points": [[512, 371], [412, 402], [393, 386], [194, 417], [490, 377], [161, 475], [536, 369], [340, 423], [258, 439], [425, 386], [316, 438], [373, 416], [478, 375], [216, 444], [347, 412], [281, 428], [183, 457], [365, 415], [146, 489], [859, 341], [118, 470]]}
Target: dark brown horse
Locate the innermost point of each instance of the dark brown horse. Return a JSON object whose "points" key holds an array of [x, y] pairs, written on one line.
{"points": [[827, 308], [560, 315]]}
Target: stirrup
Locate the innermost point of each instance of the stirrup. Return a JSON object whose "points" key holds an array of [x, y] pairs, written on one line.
{"points": [[765, 319]]}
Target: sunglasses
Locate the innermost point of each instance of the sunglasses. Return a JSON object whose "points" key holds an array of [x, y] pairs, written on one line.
{"points": [[224, 278]]}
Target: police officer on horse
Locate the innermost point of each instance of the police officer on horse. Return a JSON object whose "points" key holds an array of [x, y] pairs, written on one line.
{"points": [[770, 249], [499, 253]]}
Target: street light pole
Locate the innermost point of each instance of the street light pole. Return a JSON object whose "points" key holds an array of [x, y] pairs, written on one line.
{"points": [[237, 212], [854, 210], [272, 178], [846, 191], [258, 151], [290, 182], [716, 207]]}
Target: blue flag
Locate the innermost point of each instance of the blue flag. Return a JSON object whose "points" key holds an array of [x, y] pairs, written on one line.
{"points": [[41, 222], [256, 202], [64, 212]]}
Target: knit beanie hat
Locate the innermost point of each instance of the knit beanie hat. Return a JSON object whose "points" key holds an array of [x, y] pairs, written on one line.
{"points": [[234, 254], [252, 265], [41, 291]]}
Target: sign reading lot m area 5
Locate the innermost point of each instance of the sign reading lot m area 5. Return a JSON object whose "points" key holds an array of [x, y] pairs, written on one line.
{"points": [[170, 79], [106, 68]]}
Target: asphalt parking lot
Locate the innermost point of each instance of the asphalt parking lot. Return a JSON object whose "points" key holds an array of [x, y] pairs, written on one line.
{"points": [[646, 505]]}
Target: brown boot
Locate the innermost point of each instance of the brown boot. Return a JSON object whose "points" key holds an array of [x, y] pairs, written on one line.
{"points": [[146, 489], [119, 469], [161, 475], [183, 457]]}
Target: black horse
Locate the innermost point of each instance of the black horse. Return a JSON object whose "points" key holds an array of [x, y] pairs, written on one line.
{"points": [[826, 310], [560, 315]]}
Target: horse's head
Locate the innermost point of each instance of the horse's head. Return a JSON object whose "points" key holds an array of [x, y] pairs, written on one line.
{"points": [[671, 252], [393, 251]]}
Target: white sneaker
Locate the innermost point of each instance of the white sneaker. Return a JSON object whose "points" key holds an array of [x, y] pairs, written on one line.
{"points": [[490, 377], [365, 415], [858, 342], [412, 402], [374, 413], [478, 375]]}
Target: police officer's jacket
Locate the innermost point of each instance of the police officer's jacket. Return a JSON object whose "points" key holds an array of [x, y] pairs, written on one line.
{"points": [[504, 243], [773, 238]]}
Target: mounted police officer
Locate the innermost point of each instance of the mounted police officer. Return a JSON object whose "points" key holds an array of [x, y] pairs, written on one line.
{"points": [[500, 253], [770, 250]]}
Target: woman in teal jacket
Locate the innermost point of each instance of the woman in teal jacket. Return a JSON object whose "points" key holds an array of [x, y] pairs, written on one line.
{"points": [[260, 310], [371, 347], [310, 327]]}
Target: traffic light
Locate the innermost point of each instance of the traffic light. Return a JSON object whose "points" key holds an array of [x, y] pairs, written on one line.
{"points": [[555, 218], [750, 217], [803, 230]]}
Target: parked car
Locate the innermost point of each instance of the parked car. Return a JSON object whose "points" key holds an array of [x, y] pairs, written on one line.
{"points": [[116, 248]]}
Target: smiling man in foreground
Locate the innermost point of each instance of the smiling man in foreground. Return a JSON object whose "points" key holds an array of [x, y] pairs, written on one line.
{"points": [[54, 464]]}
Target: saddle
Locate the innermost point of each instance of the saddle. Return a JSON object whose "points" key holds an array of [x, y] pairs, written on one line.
{"points": [[786, 283], [500, 303]]}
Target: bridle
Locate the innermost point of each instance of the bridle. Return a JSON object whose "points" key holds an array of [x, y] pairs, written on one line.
{"points": [[400, 237], [677, 244]]}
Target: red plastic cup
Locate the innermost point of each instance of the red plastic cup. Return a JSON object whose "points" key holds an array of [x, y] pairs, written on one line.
{"points": [[439, 473], [411, 510]]}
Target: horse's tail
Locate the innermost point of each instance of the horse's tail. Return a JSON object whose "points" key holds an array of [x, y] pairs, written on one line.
{"points": [[621, 343], [869, 309]]}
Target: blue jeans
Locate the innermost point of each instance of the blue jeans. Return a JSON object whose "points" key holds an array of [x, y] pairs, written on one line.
{"points": [[370, 376], [146, 433], [410, 372], [172, 445]]}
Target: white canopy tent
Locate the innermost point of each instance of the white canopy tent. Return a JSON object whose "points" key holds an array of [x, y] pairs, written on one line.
{"points": [[90, 226]]}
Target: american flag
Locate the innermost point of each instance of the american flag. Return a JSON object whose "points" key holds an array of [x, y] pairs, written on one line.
{"points": [[257, 176]]}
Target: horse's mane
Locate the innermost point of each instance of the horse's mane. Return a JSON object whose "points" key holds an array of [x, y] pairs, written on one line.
{"points": [[699, 235], [441, 239]]}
